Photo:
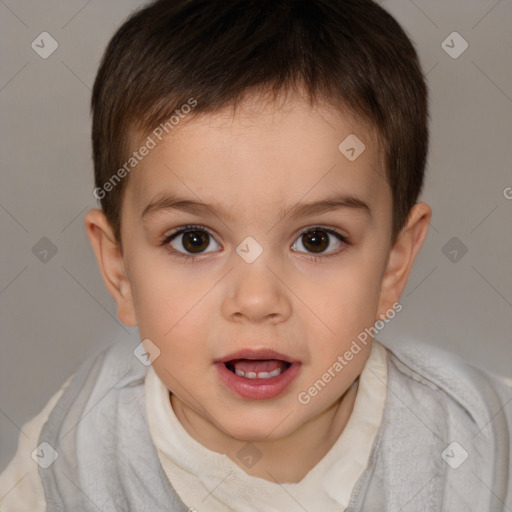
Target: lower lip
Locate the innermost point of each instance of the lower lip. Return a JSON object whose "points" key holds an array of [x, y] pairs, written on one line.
{"points": [[258, 389]]}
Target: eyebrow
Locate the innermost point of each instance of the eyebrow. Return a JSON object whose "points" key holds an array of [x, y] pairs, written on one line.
{"points": [[298, 210]]}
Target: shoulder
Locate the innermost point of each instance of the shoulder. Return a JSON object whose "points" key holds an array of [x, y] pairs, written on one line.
{"points": [[121, 364], [480, 393], [103, 411], [446, 430], [20, 484], [447, 418], [457, 401], [99, 383]]}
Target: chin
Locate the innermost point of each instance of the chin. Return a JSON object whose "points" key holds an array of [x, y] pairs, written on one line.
{"points": [[259, 427]]}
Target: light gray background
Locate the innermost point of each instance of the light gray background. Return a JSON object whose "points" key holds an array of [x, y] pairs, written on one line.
{"points": [[55, 313]]}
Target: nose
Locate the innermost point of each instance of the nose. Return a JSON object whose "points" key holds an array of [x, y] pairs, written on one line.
{"points": [[256, 293]]}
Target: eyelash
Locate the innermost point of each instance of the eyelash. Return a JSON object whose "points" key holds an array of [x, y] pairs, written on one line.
{"points": [[191, 227]]}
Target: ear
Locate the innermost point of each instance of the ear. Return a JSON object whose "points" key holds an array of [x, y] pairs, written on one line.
{"points": [[402, 255], [111, 264]]}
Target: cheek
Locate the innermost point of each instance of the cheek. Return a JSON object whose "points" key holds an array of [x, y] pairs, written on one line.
{"points": [[166, 295], [348, 301]]}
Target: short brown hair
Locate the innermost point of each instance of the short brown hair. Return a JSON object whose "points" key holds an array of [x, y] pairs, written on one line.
{"points": [[349, 53]]}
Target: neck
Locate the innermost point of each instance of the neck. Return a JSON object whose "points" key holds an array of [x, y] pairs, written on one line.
{"points": [[281, 461]]}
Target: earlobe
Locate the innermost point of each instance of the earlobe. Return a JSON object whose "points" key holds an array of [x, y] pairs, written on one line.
{"points": [[110, 262], [403, 254]]}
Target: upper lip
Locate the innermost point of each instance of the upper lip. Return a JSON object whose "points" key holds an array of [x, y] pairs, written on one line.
{"points": [[263, 353]]}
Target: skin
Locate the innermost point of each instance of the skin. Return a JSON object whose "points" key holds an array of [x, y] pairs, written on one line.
{"points": [[251, 164]]}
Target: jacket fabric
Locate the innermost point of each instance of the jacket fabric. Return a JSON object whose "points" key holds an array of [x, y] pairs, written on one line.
{"points": [[444, 443]]}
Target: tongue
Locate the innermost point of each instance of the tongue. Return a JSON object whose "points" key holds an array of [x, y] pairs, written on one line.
{"points": [[257, 365]]}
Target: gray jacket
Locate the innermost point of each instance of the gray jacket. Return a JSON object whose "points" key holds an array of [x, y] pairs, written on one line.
{"points": [[444, 443]]}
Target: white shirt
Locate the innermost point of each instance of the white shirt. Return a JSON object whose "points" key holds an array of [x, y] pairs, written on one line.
{"points": [[211, 481]]}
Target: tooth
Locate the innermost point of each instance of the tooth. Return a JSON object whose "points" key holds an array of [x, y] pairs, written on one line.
{"points": [[260, 375]]}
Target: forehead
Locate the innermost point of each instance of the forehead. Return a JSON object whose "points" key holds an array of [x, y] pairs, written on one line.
{"points": [[261, 157]]}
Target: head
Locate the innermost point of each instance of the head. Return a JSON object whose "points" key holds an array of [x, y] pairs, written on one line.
{"points": [[256, 109]]}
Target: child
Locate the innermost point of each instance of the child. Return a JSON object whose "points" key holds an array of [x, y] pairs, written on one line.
{"points": [[258, 165]]}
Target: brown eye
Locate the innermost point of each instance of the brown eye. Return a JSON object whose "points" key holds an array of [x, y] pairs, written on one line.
{"points": [[195, 241], [318, 240], [191, 241], [315, 241]]}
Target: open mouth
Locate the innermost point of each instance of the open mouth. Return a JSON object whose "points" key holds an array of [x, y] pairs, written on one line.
{"points": [[258, 374], [257, 368]]}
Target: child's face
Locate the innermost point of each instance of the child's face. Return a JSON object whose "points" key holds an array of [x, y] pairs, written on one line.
{"points": [[250, 169]]}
